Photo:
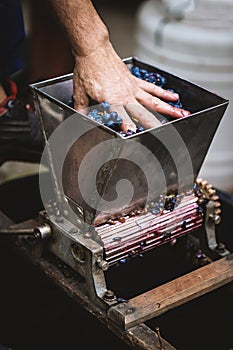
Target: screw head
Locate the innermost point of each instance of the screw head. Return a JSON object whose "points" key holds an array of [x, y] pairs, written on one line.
{"points": [[220, 248], [73, 230], [103, 265], [78, 252], [217, 219], [109, 295]]}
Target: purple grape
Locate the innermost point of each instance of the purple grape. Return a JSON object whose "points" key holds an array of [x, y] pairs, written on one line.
{"points": [[105, 105]]}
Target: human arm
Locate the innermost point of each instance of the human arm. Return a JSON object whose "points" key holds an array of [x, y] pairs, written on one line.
{"points": [[101, 75]]}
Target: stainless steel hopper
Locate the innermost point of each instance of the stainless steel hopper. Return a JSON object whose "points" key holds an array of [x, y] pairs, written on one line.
{"points": [[160, 161]]}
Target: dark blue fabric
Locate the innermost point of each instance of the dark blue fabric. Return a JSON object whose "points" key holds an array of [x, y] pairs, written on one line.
{"points": [[11, 35]]}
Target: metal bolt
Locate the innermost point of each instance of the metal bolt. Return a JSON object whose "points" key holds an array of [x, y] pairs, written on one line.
{"points": [[45, 215], [103, 265], [160, 338], [129, 311], [59, 219], [73, 230], [79, 222], [109, 295], [216, 219], [43, 231], [87, 235], [78, 252], [220, 248]]}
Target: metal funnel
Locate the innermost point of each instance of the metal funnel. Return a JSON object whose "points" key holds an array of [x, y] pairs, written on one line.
{"points": [[103, 175]]}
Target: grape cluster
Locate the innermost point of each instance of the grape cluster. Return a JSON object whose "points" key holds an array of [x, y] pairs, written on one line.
{"points": [[151, 77], [102, 113], [156, 79], [111, 119]]}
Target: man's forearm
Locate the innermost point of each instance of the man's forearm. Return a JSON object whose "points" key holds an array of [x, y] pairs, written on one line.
{"points": [[100, 74], [84, 26]]}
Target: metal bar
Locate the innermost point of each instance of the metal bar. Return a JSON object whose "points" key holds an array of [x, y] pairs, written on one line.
{"points": [[173, 293], [16, 231], [25, 228]]}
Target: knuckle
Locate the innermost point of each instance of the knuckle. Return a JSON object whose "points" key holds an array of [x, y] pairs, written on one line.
{"points": [[155, 102]]}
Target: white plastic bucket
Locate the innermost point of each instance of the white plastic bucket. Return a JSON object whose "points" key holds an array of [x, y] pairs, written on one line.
{"points": [[194, 39]]}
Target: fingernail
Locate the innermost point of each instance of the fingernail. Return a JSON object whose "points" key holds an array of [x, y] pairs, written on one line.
{"points": [[126, 127], [185, 113], [175, 95]]}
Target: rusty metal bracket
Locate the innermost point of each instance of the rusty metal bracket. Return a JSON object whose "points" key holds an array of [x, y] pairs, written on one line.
{"points": [[211, 220]]}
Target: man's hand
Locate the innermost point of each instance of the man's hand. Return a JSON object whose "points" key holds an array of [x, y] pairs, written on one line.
{"points": [[103, 76]]}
